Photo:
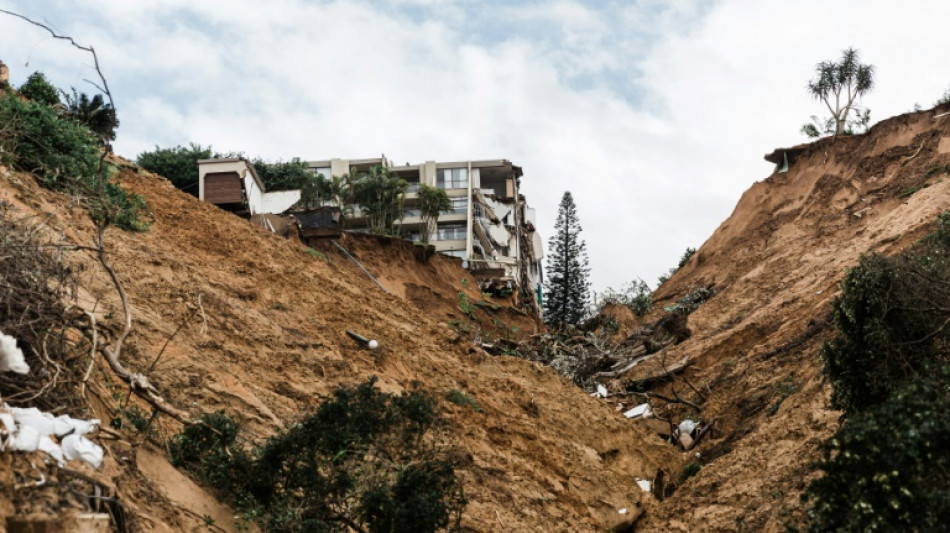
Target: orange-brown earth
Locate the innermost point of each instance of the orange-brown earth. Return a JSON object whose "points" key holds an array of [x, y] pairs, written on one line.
{"points": [[264, 323], [265, 338]]}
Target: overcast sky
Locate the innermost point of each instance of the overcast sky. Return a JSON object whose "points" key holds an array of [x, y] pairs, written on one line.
{"points": [[654, 114]]}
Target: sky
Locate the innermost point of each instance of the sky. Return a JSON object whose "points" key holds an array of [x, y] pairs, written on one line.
{"points": [[654, 114]]}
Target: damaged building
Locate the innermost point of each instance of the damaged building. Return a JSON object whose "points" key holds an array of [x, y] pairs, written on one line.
{"points": [[490, 226]]}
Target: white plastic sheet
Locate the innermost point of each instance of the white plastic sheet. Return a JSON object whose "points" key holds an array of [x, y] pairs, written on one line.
{"points": [[687, 426], [11, 357], [641, 411], [30, 430]]}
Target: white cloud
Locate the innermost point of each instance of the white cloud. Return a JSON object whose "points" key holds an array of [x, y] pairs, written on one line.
{"points": [[654, 114]]}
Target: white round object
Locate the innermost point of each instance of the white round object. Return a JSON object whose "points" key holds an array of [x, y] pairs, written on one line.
{"points": [[373, 345]]}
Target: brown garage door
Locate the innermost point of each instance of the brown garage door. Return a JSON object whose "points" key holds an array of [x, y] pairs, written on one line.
{"points": [[223, 188]]}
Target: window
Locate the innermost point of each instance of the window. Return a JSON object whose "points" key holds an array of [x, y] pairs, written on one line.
{"points": [[452, 178], [409, 213], [413, 186], [459, 206], [451, 232], [321, 170]]}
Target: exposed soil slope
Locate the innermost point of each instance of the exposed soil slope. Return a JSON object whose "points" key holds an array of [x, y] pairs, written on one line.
{"points": [[264, 337], [776, 263]]}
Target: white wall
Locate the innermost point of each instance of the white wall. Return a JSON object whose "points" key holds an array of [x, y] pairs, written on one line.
{"points": [[279, 201]]}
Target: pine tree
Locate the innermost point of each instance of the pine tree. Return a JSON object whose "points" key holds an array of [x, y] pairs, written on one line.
{"points": [[567, 269]]}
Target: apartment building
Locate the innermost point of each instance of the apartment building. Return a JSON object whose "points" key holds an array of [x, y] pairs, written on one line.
{"points": [[490, 226]]}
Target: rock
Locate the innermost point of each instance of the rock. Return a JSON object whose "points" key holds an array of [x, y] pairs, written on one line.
{"points": [[686, 440]]}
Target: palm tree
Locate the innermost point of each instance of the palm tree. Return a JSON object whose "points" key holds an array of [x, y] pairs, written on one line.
{"points": [[842, 83], [380, 193], [93, 113], [432, 203]]}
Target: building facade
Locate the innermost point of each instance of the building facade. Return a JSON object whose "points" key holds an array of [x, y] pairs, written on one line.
{"points": [[490, 226]]}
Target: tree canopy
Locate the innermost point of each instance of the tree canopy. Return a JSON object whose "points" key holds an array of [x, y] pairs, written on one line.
{"points": [[94, 113], [178, 164], [567, 269], [839, 85], [37, 88], [379, 194], [432, 203]]}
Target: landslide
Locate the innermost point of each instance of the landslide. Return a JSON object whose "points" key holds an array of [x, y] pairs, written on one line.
{"points": [[775, 265], [242, 320]]}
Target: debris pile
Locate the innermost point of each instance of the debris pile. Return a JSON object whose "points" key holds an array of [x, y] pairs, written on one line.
{"points": [[587, 357]]}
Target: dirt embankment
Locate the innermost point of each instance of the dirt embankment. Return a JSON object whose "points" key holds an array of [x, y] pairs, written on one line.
{"points": [[263, 337], [775, 264]]}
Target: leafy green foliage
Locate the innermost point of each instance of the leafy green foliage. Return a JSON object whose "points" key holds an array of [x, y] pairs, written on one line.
{"points": [[636, 295], [818, 127], [686, 256], [567, 288], [38, 89], [93, 113], [282, 175], [315, 191], [432, 203], [891, 317], [207, 450], [178, 164], [888, 468], [682, 262], [65, 157], [945, 99], [690, 470], [379, 194], [461, 399], [360, 460]]}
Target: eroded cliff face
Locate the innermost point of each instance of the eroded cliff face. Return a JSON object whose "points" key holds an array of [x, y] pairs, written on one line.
{"points": [[776, 264], [267, 338]]}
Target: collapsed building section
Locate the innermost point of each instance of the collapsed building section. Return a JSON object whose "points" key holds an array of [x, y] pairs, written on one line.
{"points": [[489, 226]]}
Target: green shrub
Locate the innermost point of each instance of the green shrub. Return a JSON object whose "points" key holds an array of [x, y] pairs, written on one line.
{"points": [[888, 468], [64, 156], [360, 460], [283, 175], [39, 90], [636, 295], [890, 317], [690, 470], [179, 164], [461, 399]]}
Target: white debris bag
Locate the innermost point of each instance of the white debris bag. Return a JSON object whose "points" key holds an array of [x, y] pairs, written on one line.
{"points": [[78, 447], [644, 484], [687, 426], [29, 430], [11, 357], [641, 411], [601, 391]]}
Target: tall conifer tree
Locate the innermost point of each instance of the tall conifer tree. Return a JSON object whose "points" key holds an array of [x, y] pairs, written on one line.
{"points": [[567, 269]]}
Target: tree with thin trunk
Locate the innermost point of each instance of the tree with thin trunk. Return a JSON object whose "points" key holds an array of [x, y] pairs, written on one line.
{"points": [[567, 269], [839, 85], [432, 203]]}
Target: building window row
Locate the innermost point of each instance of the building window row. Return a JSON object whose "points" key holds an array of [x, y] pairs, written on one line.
{"points": [[452, 178], [451, 232]]}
